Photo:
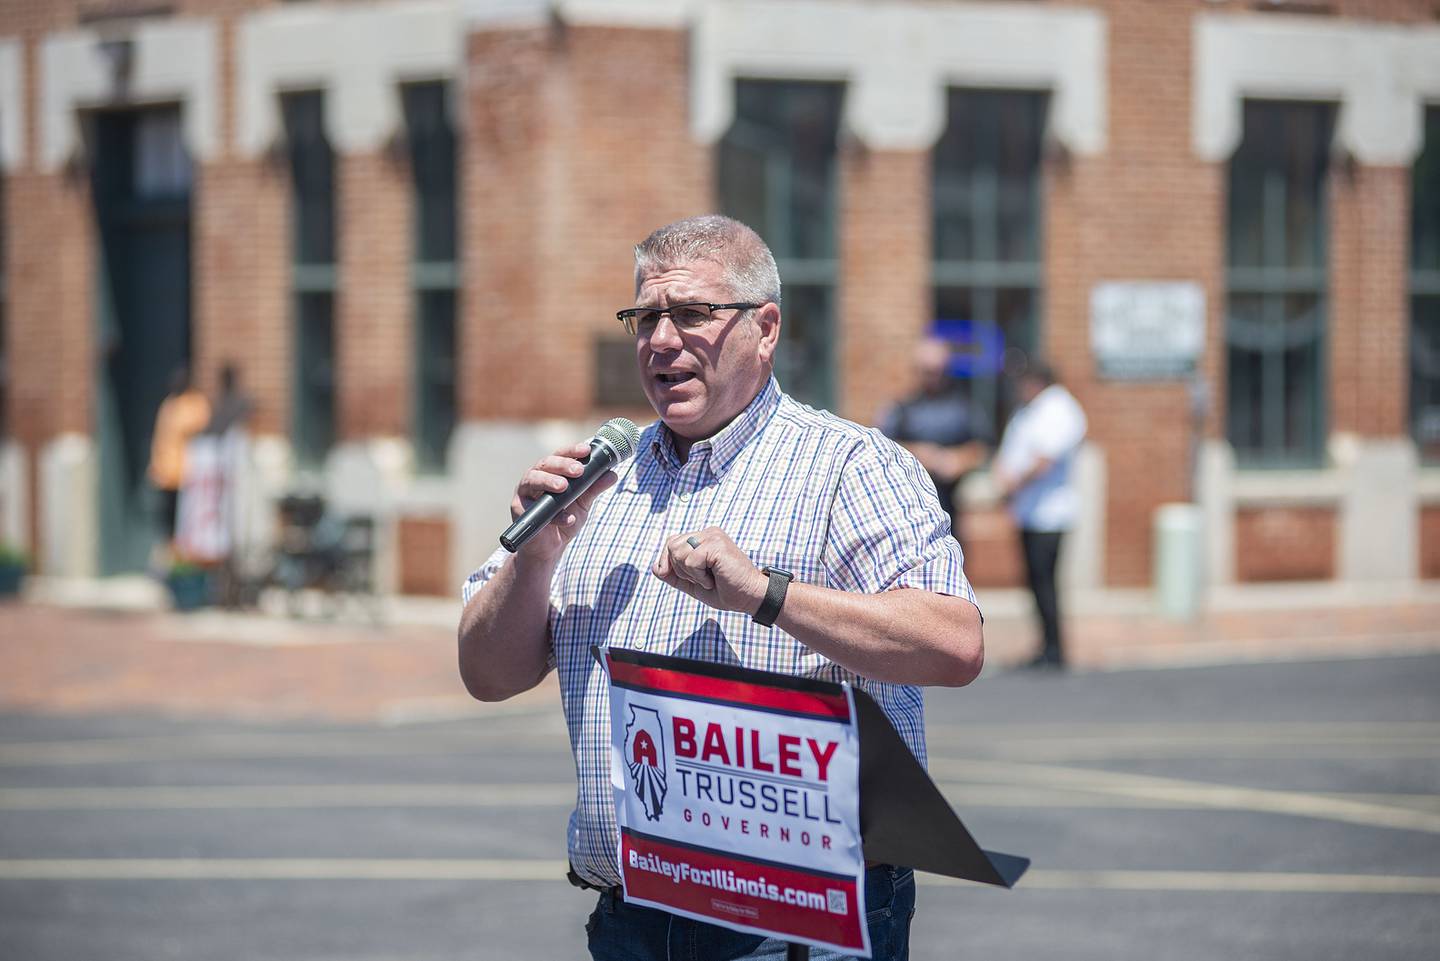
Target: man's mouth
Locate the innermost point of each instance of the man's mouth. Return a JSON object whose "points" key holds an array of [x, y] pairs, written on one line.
{"points": [[678, 377]]}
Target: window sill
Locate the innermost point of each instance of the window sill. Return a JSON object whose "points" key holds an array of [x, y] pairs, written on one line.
{"points": [[426, 494], [1312, 487], [1427, 485]]}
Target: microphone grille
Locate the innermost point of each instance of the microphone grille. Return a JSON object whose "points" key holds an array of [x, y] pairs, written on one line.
{"points": [[621, 433]]}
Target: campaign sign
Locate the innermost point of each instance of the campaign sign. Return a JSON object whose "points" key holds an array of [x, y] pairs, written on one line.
{"points": [[737, 797]]}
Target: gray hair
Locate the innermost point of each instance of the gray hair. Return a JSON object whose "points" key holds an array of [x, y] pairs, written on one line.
{"points": [[749, 266]]}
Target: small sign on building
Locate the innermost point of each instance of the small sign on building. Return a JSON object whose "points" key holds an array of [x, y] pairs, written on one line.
{"points": [[1147, 330]]}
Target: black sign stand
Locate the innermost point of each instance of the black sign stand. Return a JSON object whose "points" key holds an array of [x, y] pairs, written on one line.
{"points": [[904, 819]]}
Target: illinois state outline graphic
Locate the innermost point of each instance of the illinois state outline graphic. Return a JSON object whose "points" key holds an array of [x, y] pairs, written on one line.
{"points": [[645, 758]]}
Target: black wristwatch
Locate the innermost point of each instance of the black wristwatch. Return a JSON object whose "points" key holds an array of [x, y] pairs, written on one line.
{"points": [[774, 596]]}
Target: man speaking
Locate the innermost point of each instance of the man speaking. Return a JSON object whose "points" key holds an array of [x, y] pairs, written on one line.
{"points": [[749, 530]]}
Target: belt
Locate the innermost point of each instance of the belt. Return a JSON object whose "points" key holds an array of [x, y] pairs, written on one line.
{"points": [[584, 885]]}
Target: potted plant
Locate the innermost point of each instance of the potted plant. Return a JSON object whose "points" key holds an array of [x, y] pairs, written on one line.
{"points": [[13, 564], [189, 585]]}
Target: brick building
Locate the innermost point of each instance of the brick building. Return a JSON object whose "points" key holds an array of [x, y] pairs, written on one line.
{"points": [[408, 223]]}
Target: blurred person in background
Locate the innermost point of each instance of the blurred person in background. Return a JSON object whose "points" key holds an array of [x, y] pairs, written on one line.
{"points": [[697, 533], [940, 426], [232, 407], [182, 415], [210, 517], [1034, 470]]}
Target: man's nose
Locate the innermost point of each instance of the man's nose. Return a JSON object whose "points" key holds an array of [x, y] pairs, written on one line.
{"points": [[665, 336]]}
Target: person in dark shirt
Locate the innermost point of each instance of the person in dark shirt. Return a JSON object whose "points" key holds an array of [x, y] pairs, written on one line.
{"points": [[940, 426]]}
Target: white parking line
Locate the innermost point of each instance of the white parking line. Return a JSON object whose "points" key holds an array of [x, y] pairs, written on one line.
{"points": [[1219, 882], [1197, 793], [233, 797], [273, 745]]}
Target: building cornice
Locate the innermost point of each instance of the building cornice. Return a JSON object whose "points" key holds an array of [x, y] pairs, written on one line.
{"points": [[1381, 75]]}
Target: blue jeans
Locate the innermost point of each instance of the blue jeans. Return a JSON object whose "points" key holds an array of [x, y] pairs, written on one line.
{"points": [[626, 932]]}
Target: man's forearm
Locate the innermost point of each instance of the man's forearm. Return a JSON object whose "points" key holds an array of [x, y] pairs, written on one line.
{"points": [[904, 636], [504, 632]]}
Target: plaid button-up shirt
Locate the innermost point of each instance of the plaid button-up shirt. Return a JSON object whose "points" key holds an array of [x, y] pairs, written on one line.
{"points": [[834, 503]]}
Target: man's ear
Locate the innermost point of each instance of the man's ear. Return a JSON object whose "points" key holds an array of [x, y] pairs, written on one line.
{"points": [[768, 320]]}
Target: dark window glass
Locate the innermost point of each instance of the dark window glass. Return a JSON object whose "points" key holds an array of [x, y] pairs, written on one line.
{"points": [[987, 203], [161, 162], [432, 143], [315, 377], [432, 162], [777, 173], [312, 190], [1277, 277], [436, 381], [1425, 293], [312, 177], [807, 352]]}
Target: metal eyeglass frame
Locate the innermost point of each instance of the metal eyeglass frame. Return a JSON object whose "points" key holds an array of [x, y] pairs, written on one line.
{"points": [[629, 314]]}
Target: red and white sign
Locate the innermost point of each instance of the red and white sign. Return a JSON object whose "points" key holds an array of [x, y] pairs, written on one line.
{"points": [[738, 802]]}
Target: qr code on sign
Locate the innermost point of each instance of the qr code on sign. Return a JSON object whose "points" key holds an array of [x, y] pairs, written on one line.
{"points": [[836, 901]]}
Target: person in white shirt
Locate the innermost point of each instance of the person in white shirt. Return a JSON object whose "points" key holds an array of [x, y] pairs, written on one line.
{"points": [[1034, 470]]}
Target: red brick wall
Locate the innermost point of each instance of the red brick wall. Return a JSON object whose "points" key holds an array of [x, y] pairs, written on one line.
{"points": [[1370, 310], [374, 317], [423, 548], [240, 231], [505, 97], [51, 350], [241, 275], [1285, 544], [1145, 209], [885, 294], [639, 170], [1430, 542], [992, 549]]}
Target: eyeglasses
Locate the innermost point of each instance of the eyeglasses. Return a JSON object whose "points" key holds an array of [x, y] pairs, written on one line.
{"points": [[644, 320]]}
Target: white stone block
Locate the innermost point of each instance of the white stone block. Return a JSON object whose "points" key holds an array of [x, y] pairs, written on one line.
{"points": [[69, 508]]}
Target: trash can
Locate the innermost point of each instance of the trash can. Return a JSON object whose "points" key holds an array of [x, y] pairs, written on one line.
{"points": [[1179, 579]]}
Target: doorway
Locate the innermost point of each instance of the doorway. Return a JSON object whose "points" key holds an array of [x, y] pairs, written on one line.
{"points": [[140, 184]]}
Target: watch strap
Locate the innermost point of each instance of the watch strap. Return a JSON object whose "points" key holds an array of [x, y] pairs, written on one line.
{"points": [[774, 596]]}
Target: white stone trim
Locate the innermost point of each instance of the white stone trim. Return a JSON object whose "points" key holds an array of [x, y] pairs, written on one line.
{"points": [[1082, 562], [1288, 488], [486, 461], [1427, 486], [652, 14], [12, 103], [1379, 540], [173, 60], [69, 508], [1380, 74], [504, 14], [1216, 495], [14, 496], [899, 58], [358, 54]]}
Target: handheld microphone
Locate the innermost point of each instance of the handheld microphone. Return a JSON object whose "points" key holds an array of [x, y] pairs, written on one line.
{"points": [[612, 443]]}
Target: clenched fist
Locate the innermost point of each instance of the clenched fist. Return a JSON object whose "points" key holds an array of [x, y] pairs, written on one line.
{"points": [[709, 567]]}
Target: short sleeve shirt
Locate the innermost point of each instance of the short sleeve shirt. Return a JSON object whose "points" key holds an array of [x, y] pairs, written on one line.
{"points": [[1051, 427], [836, 504]]}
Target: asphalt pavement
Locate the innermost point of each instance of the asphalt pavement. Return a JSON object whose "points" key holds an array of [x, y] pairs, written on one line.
{"points": [[1273, 810]]}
